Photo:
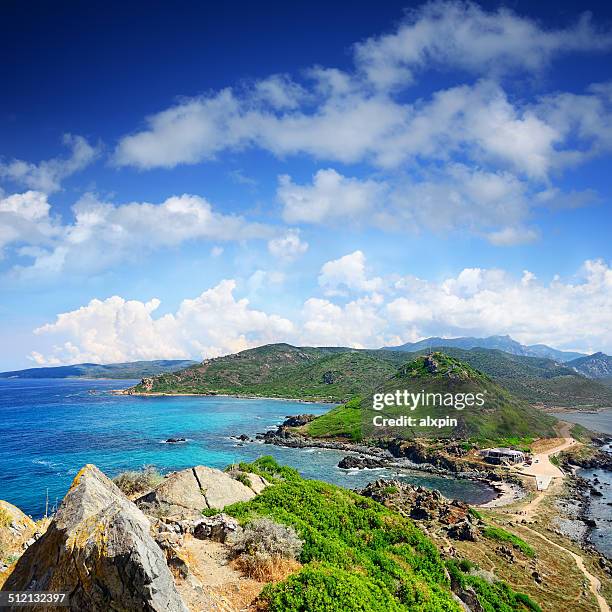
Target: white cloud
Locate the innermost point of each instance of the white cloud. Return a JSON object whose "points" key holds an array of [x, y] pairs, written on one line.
{"points": [[495, 205], [216, 251], [330, 197], [47, 175], [358, 324], [574, 313], [24, 218], [348, 272], [279, 91], [450, 34], [115, 329], [103, 233], [289, 246]]}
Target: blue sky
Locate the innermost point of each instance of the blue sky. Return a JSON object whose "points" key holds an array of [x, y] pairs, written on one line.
{"points": [[192, 181]]}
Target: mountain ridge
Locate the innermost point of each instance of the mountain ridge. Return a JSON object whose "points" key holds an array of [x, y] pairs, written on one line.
{"points": [[503, 343], [128, 369]]}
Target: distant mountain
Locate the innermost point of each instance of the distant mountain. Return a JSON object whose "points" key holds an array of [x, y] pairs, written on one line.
{"points": [[134, 369], [501, 343], [597, 365]]}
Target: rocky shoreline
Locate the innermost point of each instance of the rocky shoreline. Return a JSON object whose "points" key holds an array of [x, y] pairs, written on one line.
{"points": [[576, 521], [397, 454]]}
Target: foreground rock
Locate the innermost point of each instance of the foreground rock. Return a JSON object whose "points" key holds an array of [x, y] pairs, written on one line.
{"points": [[99, 549], [188, 492]]}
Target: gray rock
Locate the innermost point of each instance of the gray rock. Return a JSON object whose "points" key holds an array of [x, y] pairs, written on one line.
{"points": [[188, 492], [99, 549]]}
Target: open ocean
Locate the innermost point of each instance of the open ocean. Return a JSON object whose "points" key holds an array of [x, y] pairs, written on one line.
{"points": [[50, 428]]}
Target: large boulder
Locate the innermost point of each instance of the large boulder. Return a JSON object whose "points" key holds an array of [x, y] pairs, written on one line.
{"points": [[188, 492], [98, 548]]}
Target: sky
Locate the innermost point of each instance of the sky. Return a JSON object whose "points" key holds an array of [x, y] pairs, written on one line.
{"points": [[191, 180]]}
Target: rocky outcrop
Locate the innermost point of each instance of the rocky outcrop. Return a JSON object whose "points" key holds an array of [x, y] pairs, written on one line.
{"points": [[423, 504], [99, 549], [298, 420], [360, 462], [17, 532], [188, 492]]}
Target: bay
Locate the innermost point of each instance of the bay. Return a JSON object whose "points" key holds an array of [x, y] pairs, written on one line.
{"points": [[50, 428]]}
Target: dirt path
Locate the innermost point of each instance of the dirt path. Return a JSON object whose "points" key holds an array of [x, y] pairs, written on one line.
{"points": [[544, 467], [594, 582]]}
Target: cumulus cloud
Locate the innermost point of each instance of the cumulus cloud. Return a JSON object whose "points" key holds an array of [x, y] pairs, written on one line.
{"points": [[348, 272], [575, 313], [370, 115], [116, 329], [449, 34], [338, 116], [25, 218], [48, 175], [496, 205], [103, 233], [330, 197], [288, 246]]}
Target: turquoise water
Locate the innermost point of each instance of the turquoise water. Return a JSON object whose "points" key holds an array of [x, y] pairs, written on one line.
{"points": [[51, 428]]}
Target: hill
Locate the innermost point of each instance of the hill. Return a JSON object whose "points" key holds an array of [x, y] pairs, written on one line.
{"points": [[281, 370], [501, 415], [501, 343], [537, 380], [133, 369], [597, 365], [337, 373]]}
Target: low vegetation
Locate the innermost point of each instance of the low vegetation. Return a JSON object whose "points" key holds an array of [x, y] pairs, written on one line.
{"points": [[357, 555], [501, 535], [493, 595], [265, 549], [138, 481]]}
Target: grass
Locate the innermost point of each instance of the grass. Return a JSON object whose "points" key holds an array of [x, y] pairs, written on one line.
{"points": [[501, 535], [357, 555]]}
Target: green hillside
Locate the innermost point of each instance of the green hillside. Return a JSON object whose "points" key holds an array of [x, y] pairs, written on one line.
{"points": [[537, 380], [337, 374], [502, 416], [359, 556], [281, 370]]}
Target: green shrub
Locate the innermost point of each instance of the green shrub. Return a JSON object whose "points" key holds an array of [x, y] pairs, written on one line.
{"points": [[243, 478], [324, 588], [138, 481], [497, 533], [493, 597], [211, 511]]}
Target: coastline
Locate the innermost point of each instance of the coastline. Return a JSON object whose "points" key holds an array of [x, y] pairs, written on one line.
{"points": [[233, 395]]}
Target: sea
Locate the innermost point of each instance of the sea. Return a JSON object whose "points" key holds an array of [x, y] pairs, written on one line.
{"points": [[50, 428], [600, 508]]}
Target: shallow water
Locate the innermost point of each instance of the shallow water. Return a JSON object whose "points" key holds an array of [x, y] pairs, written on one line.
{"points": [[51, 428]]}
